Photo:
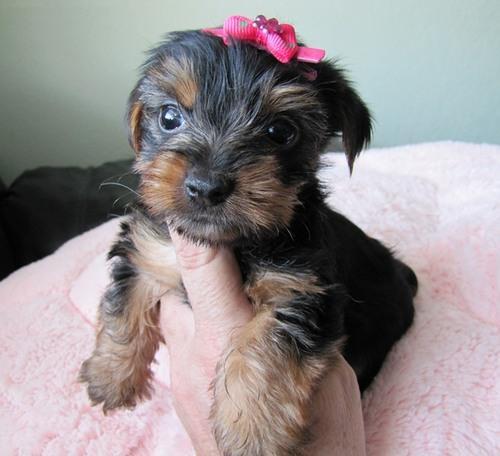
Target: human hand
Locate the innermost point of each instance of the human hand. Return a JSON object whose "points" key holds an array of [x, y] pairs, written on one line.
{"points": [[196, 338]]}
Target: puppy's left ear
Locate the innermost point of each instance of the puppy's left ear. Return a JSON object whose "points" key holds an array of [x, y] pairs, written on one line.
{"points": [[348, 115], [134, 119]]}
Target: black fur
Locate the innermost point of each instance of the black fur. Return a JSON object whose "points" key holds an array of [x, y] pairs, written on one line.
{"points": [[329, 286], [123, 274], [370, 293], [369, 298]]}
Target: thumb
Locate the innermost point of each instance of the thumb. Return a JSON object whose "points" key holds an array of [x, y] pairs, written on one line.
{"points": [[213, 284]]}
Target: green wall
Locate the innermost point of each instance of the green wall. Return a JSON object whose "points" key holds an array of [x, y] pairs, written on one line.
{"points": [[429, 70]]}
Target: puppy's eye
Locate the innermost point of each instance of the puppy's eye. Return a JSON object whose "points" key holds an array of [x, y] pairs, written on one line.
{"points": [[170, 117], [282, 132]]}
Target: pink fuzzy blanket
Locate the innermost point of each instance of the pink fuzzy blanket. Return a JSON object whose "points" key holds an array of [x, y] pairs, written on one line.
{"points": [[438, 393]]}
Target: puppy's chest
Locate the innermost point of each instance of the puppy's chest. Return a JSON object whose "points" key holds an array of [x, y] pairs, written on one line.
{"points": [[268, 281]]}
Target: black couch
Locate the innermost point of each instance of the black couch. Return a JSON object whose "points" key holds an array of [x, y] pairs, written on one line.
{"points": [[46, 206]]}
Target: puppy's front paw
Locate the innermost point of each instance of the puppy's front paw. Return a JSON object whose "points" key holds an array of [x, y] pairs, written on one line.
{"points": [[259, 429], [263, 392], [259, 409], [113, 384]]}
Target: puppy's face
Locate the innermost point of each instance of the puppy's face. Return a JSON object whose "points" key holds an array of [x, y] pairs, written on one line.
{"points": [[227, 138]]}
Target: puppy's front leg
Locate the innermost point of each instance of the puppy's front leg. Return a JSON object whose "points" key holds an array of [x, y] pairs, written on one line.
{"points": [[118, 373], [265, 382]]}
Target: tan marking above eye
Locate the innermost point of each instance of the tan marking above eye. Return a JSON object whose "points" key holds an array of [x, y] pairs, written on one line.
{"points": [[176, 77], [292, 96]]}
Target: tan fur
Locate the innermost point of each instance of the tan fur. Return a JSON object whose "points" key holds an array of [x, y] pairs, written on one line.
{"points": [[135, 116], [262, 389], [154, 256], [177, 78], [262, 393], [266, 288], [162, 181], [262, 200], [288, 97], [118, 373]]}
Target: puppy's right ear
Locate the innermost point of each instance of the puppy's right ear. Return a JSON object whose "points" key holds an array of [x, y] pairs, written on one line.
{"points": [[134, 120]]}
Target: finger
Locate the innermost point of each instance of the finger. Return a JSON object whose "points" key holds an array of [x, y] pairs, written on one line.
{"points": [[212, 280], [337, 413], [176, 320]]}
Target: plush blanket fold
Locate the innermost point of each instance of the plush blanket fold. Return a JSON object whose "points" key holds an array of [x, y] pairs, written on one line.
{"points": [[437, 205]]}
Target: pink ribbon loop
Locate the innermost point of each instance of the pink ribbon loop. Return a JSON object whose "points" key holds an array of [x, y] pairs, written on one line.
{"points": [[267, 34]]}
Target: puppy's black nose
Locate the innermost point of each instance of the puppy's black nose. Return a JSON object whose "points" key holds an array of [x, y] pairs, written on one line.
{"points": [[209, 191]]}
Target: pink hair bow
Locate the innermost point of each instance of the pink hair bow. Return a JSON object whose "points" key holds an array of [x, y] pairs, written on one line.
{"points": [[267, 34]]}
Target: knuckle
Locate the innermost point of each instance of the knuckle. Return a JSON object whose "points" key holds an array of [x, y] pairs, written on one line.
{"points": [[193, 256]]}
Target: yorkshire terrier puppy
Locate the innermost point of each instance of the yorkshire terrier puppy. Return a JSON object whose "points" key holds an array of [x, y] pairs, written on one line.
{"points": [[228, 141]]}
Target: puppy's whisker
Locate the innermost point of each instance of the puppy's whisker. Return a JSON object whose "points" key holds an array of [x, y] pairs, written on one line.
{"points": [[289, 233], [112, 215], [119, 176], [118, 184], [117, 200]]}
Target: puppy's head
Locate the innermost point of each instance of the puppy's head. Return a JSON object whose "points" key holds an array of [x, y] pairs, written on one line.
{"points": [[227, 138]]}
